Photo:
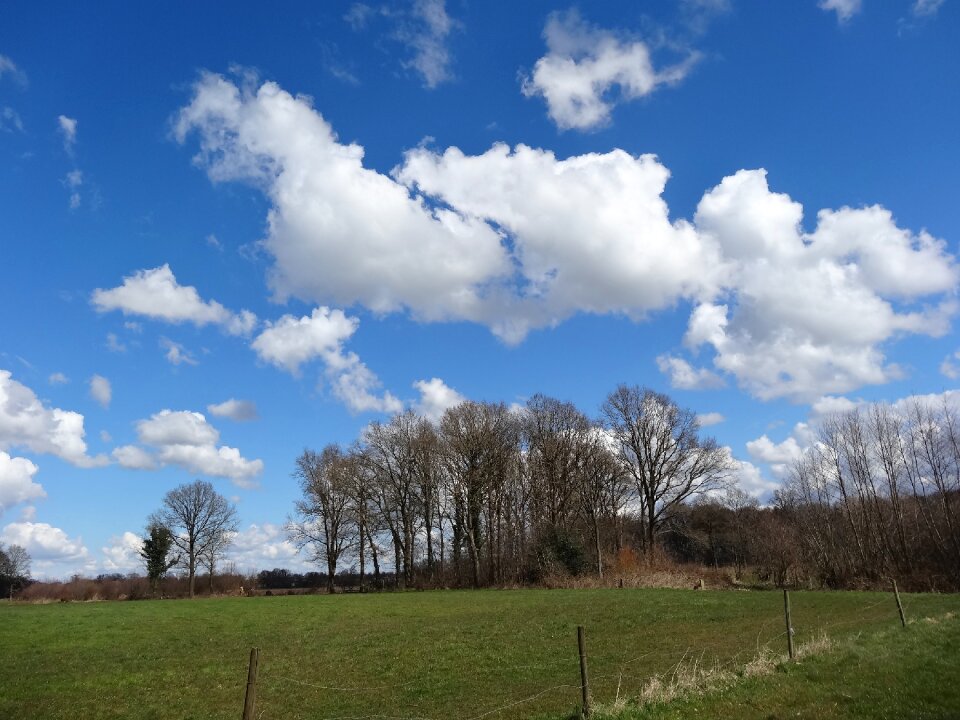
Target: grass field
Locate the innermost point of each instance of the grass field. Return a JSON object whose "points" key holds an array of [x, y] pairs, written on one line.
{"points": [[409, 655]]}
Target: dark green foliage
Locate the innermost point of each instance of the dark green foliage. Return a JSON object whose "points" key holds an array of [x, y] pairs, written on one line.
{"points": [[156, 554], [561, 551]]}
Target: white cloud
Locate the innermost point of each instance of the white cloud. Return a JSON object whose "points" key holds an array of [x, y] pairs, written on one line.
{"points": [[10, 120], [239, 410], [778, 330], [134, 458], [926, 8], [339, 233], [156, 294], [423, 28], [100, 390], [290, 342], [845, 9], [583, 64], [426, 33], [123, 553], [435, 398], [58, 378], [684, 376], [176, 353], [187, 440], [68, 129], [177, 428], [114, 344], [8, 67], [518, 239], [950, 369], [45, 543], [751, 480], [16, 481], [105, 436], [264, 547], [590, 233], [710, 418], [26, 423]]}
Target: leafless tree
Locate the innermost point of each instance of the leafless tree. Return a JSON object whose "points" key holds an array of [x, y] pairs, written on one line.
{"points": [[199, 518], [660, 446], [325, 522]]}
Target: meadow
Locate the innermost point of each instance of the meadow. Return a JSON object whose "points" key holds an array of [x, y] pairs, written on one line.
{"points": [[443, 654]]}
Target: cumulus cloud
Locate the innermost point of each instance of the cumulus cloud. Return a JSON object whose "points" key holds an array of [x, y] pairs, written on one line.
{"points": [[518, 239], [778, 330], [265, 545], [684, 376], [749, 478], [582, 66], [710, 418], [52, 551], [590, 233], [16, 481], [435, 398], [845, 9], [239, 410], [100, 390], [122, 554], [185, 439], [25, 422], [290, 342], [339, 233], [134, 458], [155, 293], [58, 378]]}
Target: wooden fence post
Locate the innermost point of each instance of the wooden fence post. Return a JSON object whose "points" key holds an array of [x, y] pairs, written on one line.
{"points": [[786, 615], [896, 594], [584, 681], [250, 699]]}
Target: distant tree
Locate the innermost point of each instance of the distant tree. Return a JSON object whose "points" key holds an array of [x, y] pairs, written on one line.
{"points": [[14, 568], [156, 554], [325, 523], [660, 446], [198, 518]]}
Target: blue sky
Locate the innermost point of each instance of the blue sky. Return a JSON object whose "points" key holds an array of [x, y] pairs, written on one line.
{"points": [[332, 212]]}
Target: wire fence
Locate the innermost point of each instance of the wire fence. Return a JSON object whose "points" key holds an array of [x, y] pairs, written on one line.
{"points": [[657, 672]]}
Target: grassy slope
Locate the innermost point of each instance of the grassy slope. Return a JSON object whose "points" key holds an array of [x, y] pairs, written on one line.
{"points": [[429, 655], [893, 674]]}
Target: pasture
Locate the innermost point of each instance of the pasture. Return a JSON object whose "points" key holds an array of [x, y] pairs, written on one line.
{"points": [[446, 654]]}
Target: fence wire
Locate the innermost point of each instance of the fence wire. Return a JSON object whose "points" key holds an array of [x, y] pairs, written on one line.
{"points": [[622, 669]]}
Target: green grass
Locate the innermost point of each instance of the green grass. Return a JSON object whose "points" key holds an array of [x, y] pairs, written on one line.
{"points": [[427, 655], [892, 674]]}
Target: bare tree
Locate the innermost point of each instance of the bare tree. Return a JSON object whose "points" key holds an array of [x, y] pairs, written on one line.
{"points": [[660, 446], [199, 518], [14, 567], [325, 522]]}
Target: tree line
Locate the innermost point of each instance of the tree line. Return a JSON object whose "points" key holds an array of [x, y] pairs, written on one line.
{"points": [[490, 495]]}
